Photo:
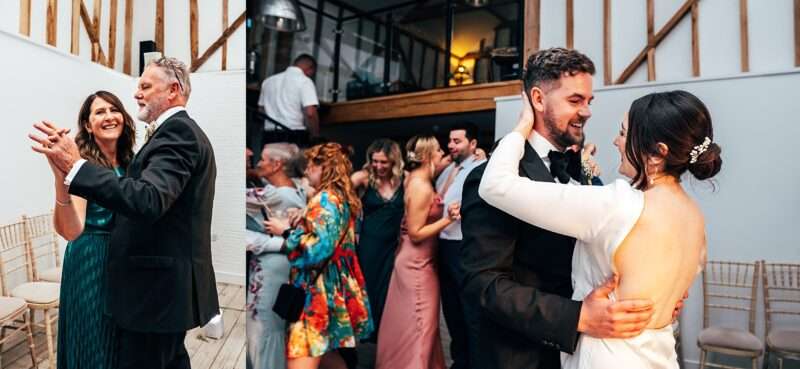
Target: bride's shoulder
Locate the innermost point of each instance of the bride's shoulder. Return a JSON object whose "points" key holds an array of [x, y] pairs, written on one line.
{"points": [[623, 193]]}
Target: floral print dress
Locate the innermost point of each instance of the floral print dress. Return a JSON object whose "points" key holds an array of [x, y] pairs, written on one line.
{"points": [[336, 312]]}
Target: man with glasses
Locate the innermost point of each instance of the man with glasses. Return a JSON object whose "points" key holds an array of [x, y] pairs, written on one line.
{"points": [[159, 274]]}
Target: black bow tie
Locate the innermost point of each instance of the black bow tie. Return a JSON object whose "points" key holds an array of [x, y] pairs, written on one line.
{"points": [[565, 165]]}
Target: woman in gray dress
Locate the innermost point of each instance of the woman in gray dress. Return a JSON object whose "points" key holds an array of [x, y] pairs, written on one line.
{"points": [[268, 268]]}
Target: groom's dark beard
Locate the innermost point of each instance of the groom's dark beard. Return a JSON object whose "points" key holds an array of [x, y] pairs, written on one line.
{"points": [[562, 138]]}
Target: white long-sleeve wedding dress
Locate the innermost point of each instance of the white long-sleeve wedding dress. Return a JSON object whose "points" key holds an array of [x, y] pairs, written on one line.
{"points": [[599, 217]]}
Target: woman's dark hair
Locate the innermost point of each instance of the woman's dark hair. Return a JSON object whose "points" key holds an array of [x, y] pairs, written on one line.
{"points": [[679, 120], [88, 147]]}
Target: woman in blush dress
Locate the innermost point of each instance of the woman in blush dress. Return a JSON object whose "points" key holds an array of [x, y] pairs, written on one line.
{"points": [[409, 334], [648, 232]]}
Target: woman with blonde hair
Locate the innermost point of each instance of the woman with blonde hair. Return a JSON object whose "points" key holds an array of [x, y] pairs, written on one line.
{"points": [[409, 333], [321, 250], [381, 186]]}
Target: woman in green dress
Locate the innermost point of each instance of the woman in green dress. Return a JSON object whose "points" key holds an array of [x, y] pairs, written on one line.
{"points": [[106, 135], [380, 185]]}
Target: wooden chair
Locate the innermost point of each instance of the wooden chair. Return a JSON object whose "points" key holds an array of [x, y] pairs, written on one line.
{"points": [[43, 242], [15, 316], [729, 286], [782, 300], [17, 280]]}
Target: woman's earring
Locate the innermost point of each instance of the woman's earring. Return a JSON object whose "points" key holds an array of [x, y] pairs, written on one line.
{"points": [[653, 177]]}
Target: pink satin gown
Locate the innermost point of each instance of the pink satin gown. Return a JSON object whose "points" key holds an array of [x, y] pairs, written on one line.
{"points": [[408, 337]]}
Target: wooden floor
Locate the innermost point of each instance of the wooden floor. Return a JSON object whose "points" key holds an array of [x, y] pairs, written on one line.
{"points": [[227, 352]]}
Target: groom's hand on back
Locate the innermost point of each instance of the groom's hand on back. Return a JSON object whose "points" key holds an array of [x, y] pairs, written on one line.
{"points": [[601, 317]]}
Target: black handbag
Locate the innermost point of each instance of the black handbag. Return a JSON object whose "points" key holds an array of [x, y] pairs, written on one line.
{"points": [[290, 302], [291, 299]]}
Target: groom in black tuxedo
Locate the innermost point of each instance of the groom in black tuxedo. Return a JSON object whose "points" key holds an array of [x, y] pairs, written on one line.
{"points": [[160, 278], [521, 274]]}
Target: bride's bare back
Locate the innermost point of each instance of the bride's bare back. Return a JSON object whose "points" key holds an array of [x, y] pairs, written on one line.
{"points": [[661, 256]]}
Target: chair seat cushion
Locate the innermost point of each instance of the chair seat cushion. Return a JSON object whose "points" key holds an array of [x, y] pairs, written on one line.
{"points": [[784, 339], [37, 292], [10, 306], [51, 275], [730, 338]]}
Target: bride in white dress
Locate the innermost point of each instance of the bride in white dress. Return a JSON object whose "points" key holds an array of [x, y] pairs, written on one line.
{"points": [[648, 232]]}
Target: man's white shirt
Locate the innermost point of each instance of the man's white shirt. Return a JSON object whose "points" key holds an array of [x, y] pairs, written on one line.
{"points": [[543, 147], [284, 97], [453, 194]]}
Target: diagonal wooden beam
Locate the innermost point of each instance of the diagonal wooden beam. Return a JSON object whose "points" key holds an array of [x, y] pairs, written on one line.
{"points": [[25, 17], [97, 51], [160, 26], [126, 63], [224, 26], [197, 63], [112, 35], [193, 20], [75, 27], [637, 61], [52, 21]]}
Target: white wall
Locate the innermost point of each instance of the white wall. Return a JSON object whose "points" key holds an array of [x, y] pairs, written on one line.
{"points": [[756, 207], [42, 82], [217, 104], [39, 83], [770, 36], [176, 29]]}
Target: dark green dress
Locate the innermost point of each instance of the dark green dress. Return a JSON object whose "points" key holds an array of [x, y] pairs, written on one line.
{"points": [[85, 333], [377, 245]]}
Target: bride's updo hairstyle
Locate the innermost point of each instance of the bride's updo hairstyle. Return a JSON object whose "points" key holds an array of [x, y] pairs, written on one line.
{"points": [[419, 150], [680, 121]]}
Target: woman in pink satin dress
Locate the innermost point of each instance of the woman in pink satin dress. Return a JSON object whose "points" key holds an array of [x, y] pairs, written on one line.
{"points": [[409, 330]]}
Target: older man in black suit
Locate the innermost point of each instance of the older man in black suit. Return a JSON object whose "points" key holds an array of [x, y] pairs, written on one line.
{"points": [[160, 277]]}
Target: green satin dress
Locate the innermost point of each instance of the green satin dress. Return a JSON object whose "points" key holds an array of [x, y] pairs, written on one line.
{"points": [[85, 332]]}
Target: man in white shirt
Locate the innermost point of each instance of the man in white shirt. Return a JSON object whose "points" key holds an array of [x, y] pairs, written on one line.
{"points": [[290, 98], [462, 317]]}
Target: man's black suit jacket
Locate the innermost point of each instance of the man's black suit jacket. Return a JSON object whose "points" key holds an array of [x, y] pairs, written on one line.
{"points": [[159, 273], [521, 275]]}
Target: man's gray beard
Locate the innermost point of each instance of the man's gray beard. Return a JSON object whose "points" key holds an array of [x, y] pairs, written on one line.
{"points": [[148, 113]]}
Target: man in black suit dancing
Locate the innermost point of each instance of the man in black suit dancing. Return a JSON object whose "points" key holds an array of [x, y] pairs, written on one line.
{"points": [[521, 274], [159, 274]]}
